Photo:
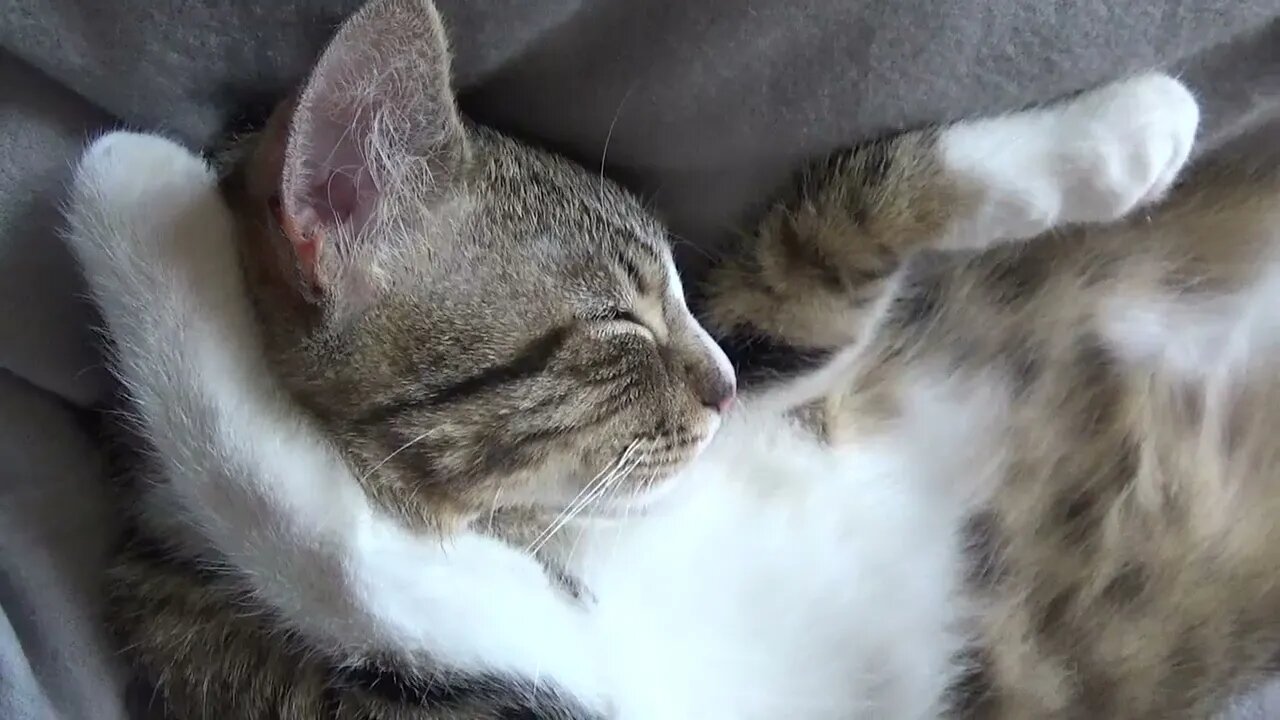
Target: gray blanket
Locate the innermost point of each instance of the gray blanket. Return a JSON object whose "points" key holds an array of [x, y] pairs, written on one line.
{"points": [[703, 105]]}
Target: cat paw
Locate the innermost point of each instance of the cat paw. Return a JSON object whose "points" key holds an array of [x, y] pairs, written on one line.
{"points": [[1093, 158], [137, 198], [129, 166], [1123, 145]]}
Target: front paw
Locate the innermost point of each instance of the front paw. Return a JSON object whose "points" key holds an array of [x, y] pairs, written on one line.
{"points": [[1123, 145], [1093, 158], [123, 167], [139, 198]]}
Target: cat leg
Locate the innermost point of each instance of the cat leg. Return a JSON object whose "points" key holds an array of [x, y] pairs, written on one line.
{"points": [[247, 474], [816, 273], [1090, 159]]}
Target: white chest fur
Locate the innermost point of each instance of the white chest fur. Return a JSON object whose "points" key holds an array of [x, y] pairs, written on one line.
{"points": [[788, 580]]}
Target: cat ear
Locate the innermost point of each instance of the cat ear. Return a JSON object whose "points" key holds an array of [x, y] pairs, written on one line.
{"points": [[376, 114]]}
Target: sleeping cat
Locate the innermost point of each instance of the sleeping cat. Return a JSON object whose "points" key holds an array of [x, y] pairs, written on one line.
{"points": [[435, 435]]}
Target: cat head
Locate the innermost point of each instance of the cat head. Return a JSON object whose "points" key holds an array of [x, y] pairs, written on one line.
{"points": [[477, 323]]}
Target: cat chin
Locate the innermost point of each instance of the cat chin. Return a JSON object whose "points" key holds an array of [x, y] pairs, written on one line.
{"points": [[653, 499], [659, 492], [652, 485]]}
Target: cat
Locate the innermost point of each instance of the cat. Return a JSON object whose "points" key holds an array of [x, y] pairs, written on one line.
{"points": [[991, 459]]}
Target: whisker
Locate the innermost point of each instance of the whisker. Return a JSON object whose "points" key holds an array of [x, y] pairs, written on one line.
{"points": [[394, 453], [567, 517], [604, 154], [609, 468], [493, 509], [573, 513], [678, 241], [626, 517], [582, 531], [586, 490]]}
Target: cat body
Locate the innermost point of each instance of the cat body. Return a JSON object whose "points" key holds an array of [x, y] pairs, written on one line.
{"points": [[435, 434], [344, 610]]}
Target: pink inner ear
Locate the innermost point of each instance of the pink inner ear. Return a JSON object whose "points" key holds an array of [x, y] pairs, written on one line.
{"points": [[331, 199], [341, 190], [306, 244], [335, 198]]}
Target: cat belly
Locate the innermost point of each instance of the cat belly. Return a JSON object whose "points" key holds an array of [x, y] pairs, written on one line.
{"points": [[789, 580]]}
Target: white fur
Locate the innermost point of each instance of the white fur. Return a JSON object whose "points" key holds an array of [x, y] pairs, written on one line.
{"points": [[780, 580], [262, 486], [789, 580], [1193, 337], [1093, 159], [675, 292]]}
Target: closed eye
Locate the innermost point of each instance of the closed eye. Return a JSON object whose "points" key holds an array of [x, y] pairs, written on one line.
{"points": [[620, 315], [625, 320]]}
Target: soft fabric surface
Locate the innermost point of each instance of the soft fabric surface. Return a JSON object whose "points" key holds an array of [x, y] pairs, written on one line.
{"points": [[702, 105]]}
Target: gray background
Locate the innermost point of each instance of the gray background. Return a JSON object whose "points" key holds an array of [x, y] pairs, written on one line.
{"points": [[705, 106]]}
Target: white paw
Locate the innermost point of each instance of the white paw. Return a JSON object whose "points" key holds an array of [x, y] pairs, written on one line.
{"points": [[1123, 145], [136, 197], [1093, 158], [126, 165]]}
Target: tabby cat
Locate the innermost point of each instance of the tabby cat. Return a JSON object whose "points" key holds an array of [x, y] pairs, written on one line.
{"points": [[434, 434]]}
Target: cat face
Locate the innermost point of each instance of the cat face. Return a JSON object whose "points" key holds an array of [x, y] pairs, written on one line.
{"points": [[479, 324]]}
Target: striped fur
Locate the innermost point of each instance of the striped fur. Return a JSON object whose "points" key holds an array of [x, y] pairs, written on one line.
{"points": [[461, 331]]}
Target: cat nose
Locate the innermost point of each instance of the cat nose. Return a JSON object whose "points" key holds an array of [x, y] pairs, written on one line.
{"points": [[717, 393], [708, 372]]}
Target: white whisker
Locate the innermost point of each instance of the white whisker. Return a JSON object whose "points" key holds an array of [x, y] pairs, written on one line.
{"points": [[394, 453], [586, 490], [626, 516], [573, 511], [493, 508], [604, 154], [568, 517]]}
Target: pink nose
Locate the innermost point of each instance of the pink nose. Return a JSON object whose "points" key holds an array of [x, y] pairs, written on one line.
{"points": [[718, 394], [725, 404]]}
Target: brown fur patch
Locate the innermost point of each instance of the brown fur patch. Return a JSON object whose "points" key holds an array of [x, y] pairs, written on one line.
{"points": [[1127, 562]]}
